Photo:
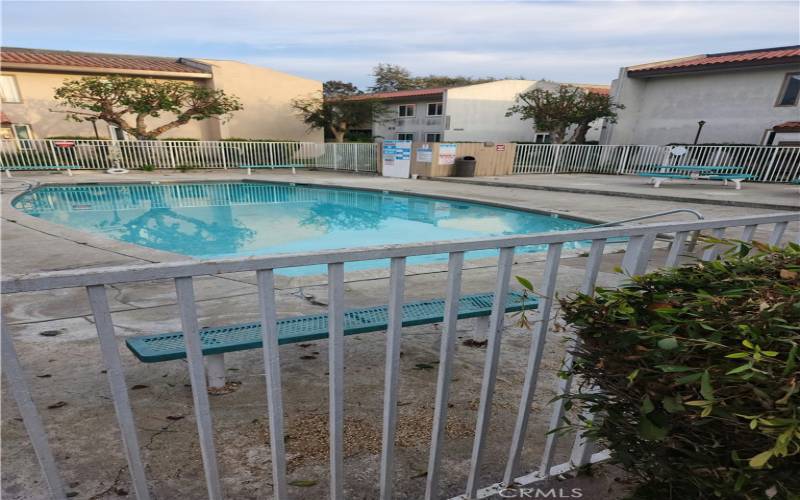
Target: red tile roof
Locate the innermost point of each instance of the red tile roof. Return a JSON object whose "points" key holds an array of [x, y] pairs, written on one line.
{"points": [[400, 94], [787, 127], [758, 57], [595, 89], [13, 55]]}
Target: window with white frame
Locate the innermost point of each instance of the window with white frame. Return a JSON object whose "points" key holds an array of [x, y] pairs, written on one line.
{"points": [[542, 138], [790, 90], [9, 92], [116, 133], [23, 134], [433, 137], [435, 109], [405, 136], [406, 110]]}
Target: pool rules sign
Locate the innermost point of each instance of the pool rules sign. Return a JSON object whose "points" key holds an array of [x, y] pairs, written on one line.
{"points": [[397, 159]]}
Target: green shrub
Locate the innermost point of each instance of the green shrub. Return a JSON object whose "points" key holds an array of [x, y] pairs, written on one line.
{"points": [[148, 168], [698, 378], [185, 168]]}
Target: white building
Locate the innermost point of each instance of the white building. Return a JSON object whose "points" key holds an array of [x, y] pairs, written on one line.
{"points": [[472, 113], [747, 97]]}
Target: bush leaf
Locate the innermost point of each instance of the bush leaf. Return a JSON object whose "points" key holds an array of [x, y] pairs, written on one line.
{"points": [[761, 459], [705, 386], [668, 343]]}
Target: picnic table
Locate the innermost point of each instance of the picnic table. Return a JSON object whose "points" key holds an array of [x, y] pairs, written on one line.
{"points": [[723, 174]]}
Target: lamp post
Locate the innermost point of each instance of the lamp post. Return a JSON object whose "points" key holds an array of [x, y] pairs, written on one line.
{"points": [[699, 129]]}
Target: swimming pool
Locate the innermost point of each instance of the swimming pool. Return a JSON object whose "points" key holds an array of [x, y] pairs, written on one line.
{"points": [[214, 220]]}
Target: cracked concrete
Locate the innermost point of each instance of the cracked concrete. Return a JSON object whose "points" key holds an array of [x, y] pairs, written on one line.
{"points": [[68, 367]]}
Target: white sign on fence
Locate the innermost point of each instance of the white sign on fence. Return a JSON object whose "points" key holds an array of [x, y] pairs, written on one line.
{"points": [[397, 159], [425, 154], [447, 154]]}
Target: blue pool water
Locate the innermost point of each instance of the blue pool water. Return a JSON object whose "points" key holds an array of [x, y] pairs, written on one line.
{"points": [[213, 220]]}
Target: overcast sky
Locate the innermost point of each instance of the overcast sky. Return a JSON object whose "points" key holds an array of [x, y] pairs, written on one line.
{"points": [[566, 41]]}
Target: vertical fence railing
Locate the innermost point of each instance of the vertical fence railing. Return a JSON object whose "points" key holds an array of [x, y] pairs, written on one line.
{"points": [[103, 154], [640, 242], [764, 163]]}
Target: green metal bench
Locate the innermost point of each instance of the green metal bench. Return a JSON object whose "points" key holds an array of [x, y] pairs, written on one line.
{"points": [[293, 166], [217, 341], [68, 168], [658, 177]]}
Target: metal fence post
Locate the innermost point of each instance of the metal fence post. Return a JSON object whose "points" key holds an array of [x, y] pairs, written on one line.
{"points": [[168, 145], [556, 157], [335, 156], [769, 167], [623, 163]]}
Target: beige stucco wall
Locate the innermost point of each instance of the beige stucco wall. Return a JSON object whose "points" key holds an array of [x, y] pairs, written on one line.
{"points": [[266, 95], [478, 112], [36, 91]]}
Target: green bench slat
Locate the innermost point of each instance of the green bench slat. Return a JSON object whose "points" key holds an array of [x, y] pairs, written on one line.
{"points": [[713, 177], [662, 174], [169, 346], [721, 177]]}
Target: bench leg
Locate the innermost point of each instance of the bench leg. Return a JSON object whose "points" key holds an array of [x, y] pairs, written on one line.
{"points": [[215, 371], [480, 329], [657, 181], [738, 183], [8, 173], [724, 182], [294, 171], [69, 172], [249, 171]]}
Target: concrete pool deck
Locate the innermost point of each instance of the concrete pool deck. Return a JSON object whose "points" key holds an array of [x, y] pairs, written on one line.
{"points": [[752, 195], [57, 343]]}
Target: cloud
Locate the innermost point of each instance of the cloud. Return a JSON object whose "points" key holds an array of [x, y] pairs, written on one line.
{"points": [[584, 41]]}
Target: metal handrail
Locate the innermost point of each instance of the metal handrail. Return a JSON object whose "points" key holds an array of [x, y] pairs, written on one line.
{"points": [[650, 216]]}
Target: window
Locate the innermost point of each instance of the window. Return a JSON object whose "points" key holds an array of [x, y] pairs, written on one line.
{"points": [[9, 92], [433, 137], [406, 136], [435, 109], [117, 134], [790, 90], [542, 138], [23, 134], [405, 110]]}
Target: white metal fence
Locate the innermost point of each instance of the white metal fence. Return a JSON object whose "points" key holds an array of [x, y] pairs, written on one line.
{"points": [[764, 163], [640, 243], [100, 154]]}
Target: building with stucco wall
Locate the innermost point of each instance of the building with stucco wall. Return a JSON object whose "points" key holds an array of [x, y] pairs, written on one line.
{"points": [[746, 97], [29, 77], [470, 113]]}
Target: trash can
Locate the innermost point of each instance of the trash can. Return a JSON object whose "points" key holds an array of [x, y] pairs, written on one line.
{"points": [[465, 167]]}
